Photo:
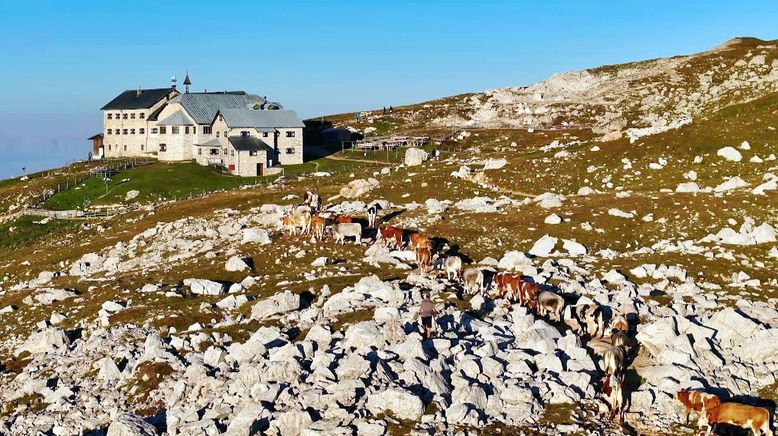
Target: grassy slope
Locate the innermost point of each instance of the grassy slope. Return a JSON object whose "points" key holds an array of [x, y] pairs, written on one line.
{"points": [[159, 181]]}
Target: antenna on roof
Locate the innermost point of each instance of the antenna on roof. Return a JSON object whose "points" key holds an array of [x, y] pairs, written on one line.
{"points": [[173, 82]]}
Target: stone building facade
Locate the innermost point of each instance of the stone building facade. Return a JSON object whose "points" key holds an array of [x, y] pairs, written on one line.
{"points": [[243, 133]]}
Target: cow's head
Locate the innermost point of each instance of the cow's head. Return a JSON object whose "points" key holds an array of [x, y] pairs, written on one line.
{"points": [[683, 397]]}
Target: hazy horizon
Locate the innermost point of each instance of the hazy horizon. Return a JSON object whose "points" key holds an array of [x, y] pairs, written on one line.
{"points": [[317, 58]]}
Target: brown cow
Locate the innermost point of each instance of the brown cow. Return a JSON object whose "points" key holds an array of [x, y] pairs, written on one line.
{"points": [[619, 322], [343, 219], [756, 419], [507, 285], [318, 223], [423, 258], [528, 292], [696, 401], [613, 388], [420, 241], [391, 236]]}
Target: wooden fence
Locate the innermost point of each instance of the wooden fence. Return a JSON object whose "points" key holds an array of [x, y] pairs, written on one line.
{"points": [[109, 170]]}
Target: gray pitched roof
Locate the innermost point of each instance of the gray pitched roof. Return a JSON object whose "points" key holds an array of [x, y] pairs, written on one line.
{"points": [[202, 106], [213, 142], [177, 118], [248, 143], [261, 118], [131, 100]]}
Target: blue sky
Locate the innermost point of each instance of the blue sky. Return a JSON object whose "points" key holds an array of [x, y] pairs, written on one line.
{"points": [[61, 61]]}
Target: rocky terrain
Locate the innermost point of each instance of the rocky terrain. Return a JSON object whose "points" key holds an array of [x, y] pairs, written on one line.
{"points": [[200, 316]]}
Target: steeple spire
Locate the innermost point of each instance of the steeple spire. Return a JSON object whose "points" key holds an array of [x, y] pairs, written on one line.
{"points": [[187, 82]]}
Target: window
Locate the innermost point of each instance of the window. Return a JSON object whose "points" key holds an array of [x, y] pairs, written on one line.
{"points": [[124, 131], [217, 134], [232, 152], [141, 130], [162, 130], [118, 115], [141, 147], [206, 130], [154, 130], [109, 116], [125, 116], [132, 116], [125, 147], [109, 147], [194, 129], [264, 134], [118, 132], [252, 152], [290, 134], [290, 150], [108, 132], [132, 131], [214, 152], [199, 150], [244, 133], [186, 130], [142, 116], [225, 152], [225, 134], [163, 147], [174, 130]]}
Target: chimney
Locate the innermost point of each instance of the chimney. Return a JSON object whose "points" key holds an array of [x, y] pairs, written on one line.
{"points": [[173, 82], [137, 94]]}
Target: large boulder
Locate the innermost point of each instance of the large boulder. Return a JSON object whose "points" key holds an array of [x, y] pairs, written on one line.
{"points": [[45, 341], [130, 425], [277, 304], [358, 187], [732, 325], [401, 403], [730, 153], [364, 335], [374, 286], [237, 263], [257, 236], [204, 287], [415, 156], [543, 246]]}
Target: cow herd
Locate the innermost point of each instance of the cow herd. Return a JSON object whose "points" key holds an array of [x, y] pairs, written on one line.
{"points": [[587, 320]]}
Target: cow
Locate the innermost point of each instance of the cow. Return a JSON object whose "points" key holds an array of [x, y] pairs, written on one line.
{"points": [[507, 285], [570, 319], [423, 258], [619, 338], [696, 401], [391, 236], [453, 267], [619, 322], [420, 241], [343, 219], [756, 419], [318, 223], [613, 388], [549, 303], [473, 280], [592, 319], [291, 223], [613, 360], [372, 213], [528, 293], [348, 230]]}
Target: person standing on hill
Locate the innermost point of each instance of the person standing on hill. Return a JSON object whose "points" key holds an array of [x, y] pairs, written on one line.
{"points": [[427, 313]]}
